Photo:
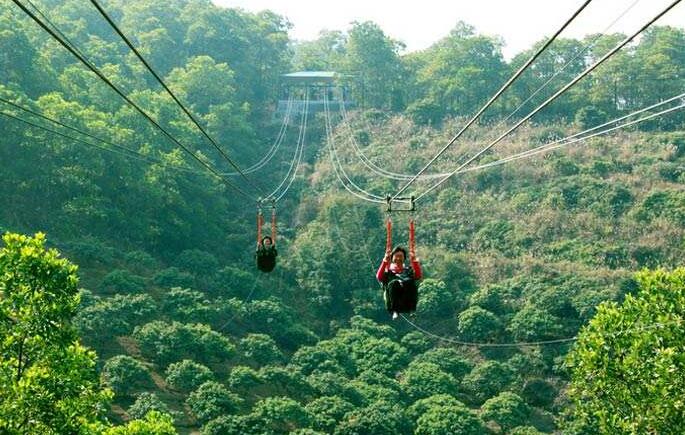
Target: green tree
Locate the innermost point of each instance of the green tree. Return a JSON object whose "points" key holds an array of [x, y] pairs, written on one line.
{"points": [[458, 73], [531, 324], [186, 305], [326, 411], [436, 300], [477, 324], [125, 374], [244, 380], [187, 375], [121, 280], [418, 408], [197, 262], [373, 57], [226, 425], [416, 342], [325, 53], [260, 349], [538, 392], [444, 420], [631, 350], [173, 277], [154, 423], [525, 430], [46, 377], [101, 321], [211, 400], [378, 418], [487, 380], [275, 415], [507, 409], [423, 379], [448, 359], [169, 342], [145, 403]]}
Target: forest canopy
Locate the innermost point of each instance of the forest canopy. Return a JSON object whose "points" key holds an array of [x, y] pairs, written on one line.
{"points": [[567, 265]]}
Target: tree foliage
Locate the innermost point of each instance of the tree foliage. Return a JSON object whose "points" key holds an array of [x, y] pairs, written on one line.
{"points": [[45, 375], [631, 351]]}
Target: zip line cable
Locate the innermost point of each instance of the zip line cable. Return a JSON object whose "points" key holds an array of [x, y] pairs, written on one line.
{"points": [[559, 144], [370, 164], [299, 160], [221, 151], [552, 98], [495, 97], [329, 144], [297, 157], [124, 151], [537, 343], [467, 343], [119, 92], [66, 136], [129, 152], [68, 127], [337, 157], [516, 344], [337, 166], [54, 27], [590, 45], [403, 177], [276, 145]]}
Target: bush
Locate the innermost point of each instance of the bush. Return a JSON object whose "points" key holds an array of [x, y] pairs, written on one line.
{"points": [[146, 402], [168, 342], [125, 375], [447, 420], [212, 400], [187, 375], [123, 281], [186, 305], [508, 410], [326, 411], [477, 324], [487, 380], [261, 349], [197, 262], [423, 379], [172, 277], [140, 261]]}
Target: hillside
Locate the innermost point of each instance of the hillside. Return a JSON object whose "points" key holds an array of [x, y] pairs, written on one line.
{"points": [[171, 302]]}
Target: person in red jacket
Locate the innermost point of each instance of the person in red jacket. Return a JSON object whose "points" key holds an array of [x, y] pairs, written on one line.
{"points": [[399, 281]]}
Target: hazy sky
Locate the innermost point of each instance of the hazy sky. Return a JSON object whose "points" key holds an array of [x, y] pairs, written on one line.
{"points": [[420, 23]]}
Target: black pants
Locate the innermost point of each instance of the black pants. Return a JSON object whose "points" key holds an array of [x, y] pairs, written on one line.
{"points": [[266, 262], [401, 296]]}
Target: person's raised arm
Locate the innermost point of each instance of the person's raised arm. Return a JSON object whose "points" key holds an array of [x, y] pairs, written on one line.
{"points": [[418, 273], [380, 274]]}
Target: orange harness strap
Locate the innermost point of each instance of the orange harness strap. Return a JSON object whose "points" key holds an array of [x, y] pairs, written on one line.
{"points": [[273, 225], [412, 237], [260, 221]]}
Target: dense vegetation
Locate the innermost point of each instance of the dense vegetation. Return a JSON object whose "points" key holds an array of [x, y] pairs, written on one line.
{"points": [[185, 331]]}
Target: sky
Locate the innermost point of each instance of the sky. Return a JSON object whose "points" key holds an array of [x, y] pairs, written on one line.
{"points": [[418, 24]]}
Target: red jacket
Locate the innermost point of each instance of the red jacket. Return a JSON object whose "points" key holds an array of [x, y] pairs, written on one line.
{"points": [[386, 265]]}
